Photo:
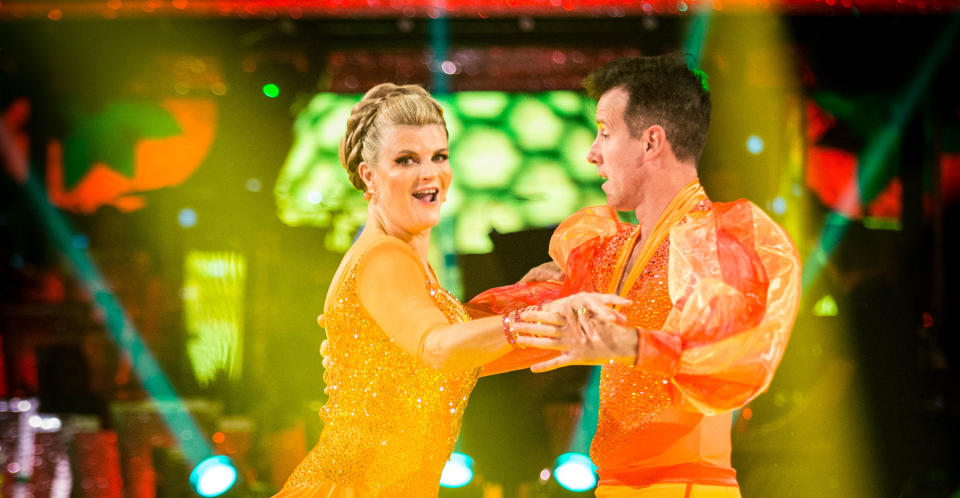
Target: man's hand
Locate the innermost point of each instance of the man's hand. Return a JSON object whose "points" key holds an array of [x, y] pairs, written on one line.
{"points": [[544, 272], [593, 341], [569, 315]]}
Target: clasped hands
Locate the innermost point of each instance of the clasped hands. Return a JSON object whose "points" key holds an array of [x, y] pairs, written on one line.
{"points": [[586, 330]]}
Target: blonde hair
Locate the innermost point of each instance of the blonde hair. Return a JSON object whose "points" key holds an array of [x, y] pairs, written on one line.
{"points": [[383, 106]]}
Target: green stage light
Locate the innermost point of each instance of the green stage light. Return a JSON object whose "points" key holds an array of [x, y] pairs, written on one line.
{"points": [[545, 192], [213, 294], [576, 144], [482, 105], [567, 103], [271, 90], [451, 116], [478, 217], [331, 127], [485, 158], [826, 306], [535, 125]]}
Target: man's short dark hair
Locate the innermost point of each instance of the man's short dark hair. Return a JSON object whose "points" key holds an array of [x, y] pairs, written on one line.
{"points": [[663, 91]]}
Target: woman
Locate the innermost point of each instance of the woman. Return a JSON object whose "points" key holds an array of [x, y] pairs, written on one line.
{"points": [[404, 354]]}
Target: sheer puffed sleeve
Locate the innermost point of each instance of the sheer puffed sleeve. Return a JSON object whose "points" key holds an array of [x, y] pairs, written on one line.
{"points": [[391, 284], [587, 224], [571, 246], [734, 278]]}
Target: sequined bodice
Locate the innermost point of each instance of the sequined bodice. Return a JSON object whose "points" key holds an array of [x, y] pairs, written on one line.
{"points": [[390, 421], [631, 399]]}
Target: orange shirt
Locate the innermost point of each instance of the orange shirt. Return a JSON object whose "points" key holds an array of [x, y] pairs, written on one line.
{"points": [[715, 290]]}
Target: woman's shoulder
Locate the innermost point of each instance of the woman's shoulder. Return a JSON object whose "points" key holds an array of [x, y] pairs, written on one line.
{"points": [[381, 245], [384, 254]]}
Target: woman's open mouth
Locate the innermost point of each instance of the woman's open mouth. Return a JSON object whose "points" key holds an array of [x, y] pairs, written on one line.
{"points": [[427, 196]]}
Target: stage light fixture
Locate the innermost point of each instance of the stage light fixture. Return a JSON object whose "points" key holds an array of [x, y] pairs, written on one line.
{"points": [[575, 472], [213, 476], [458, 471]]}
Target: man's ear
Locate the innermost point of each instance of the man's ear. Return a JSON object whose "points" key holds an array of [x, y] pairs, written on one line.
{"points": [[655, 140]]}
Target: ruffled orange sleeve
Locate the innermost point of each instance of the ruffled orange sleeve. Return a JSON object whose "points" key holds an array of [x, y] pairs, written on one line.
{"points": [[734, 276], [391, 284], [571, 245]]}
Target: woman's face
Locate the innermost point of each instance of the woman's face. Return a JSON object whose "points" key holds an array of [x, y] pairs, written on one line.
{"points": [[411, 177]]}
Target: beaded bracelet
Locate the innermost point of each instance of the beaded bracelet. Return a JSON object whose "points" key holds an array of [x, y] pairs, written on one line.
{"points": [[510, 319], [508, 331]]}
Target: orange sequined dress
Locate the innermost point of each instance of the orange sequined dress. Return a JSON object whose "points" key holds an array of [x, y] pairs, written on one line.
{"points": [[715, 289], [390, 422]]}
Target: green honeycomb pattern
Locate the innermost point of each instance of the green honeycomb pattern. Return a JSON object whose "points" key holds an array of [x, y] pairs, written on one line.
{"points": [[519, 162]]}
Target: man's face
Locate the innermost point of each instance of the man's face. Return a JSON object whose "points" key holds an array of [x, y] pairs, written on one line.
{"points": [[617, 154]]}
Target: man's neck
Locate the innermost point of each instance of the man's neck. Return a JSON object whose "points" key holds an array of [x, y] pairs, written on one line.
{"points": [[676, 176]]}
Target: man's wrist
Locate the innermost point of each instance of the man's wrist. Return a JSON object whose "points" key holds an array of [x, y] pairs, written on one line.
{"points": [[628, 348]]}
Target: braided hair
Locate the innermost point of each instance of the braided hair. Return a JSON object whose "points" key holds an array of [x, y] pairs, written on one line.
{"points": [[383, 106]]}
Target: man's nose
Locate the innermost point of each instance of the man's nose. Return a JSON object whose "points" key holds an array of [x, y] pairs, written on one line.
{"points": [[593, 155]]}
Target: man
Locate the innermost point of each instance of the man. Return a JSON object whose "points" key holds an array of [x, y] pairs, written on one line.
{"points": [[714, 290]]}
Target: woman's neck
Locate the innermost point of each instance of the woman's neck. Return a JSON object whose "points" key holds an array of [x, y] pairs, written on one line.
{"points": [[381, 225]]}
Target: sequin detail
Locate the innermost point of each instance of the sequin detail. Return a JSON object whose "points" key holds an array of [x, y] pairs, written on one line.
{"points": [[390, 421], [631, 399]]}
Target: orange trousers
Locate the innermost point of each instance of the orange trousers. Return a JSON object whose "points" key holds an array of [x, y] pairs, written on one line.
{"points": [[669, 490]]}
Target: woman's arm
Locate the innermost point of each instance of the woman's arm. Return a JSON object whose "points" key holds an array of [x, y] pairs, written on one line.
{"points": [[392, 287]]}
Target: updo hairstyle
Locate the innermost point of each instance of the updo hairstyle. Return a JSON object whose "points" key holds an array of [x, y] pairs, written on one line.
{"points": [[385, 105]]}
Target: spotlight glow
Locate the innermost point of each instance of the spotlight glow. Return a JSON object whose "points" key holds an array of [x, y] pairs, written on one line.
{"points": [[213, 476], [779, 205], [755, 144], [575, 472], [271, 90], [187, 217], [458, 471], [826, 306]]}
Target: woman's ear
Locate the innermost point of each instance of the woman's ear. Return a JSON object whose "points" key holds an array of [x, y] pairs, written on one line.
{"points": [[367, 175]]}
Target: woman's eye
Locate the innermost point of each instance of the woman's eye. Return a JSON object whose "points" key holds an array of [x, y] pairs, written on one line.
{"points": [[405, 160], [440, 157]]}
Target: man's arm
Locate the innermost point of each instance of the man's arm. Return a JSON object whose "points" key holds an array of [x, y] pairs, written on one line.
{"points": [[725, 336]]}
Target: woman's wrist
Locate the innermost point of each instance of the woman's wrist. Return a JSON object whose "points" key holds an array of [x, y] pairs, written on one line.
{"points": [[510, 320]]}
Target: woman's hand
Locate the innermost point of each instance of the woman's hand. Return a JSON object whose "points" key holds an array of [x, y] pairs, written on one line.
{"points": [[573, 318]]}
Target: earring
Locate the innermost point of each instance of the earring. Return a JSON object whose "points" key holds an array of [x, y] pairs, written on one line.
{"points": [[369, 195]]}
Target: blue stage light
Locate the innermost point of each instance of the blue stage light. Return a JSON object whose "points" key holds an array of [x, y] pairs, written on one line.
{"points": [[575, 472], [213, 476], [458, 471], [187, 217], [755, 144]]}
